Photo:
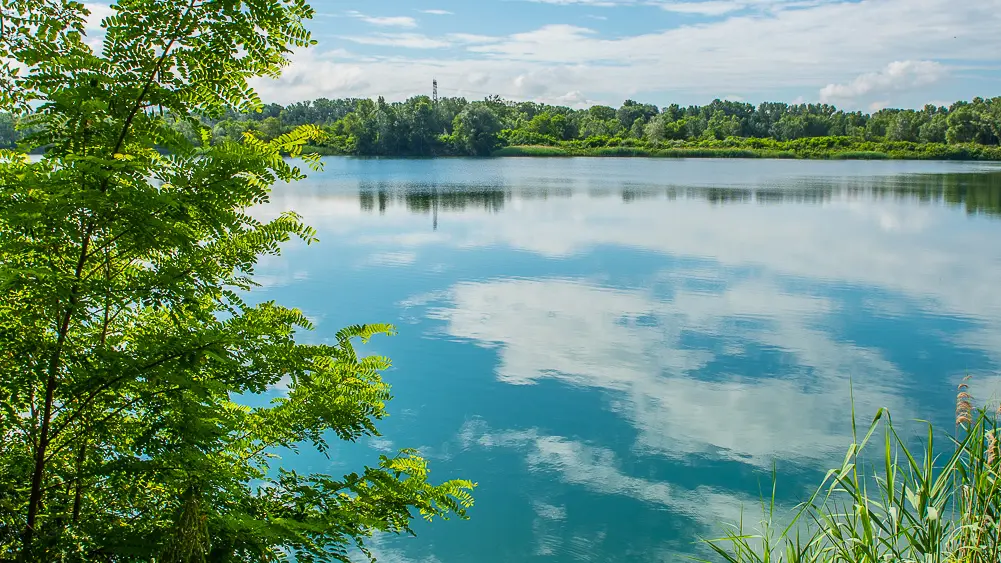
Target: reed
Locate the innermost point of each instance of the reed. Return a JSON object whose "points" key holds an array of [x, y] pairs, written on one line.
{"points": [[530, 150], [911, 504], [873, 155]]}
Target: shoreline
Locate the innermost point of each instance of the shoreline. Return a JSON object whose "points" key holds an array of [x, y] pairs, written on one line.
{"points": [[803, 149], [542, 151]]}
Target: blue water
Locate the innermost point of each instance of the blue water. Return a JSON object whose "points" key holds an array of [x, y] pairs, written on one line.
{"points": [[618, 350]]}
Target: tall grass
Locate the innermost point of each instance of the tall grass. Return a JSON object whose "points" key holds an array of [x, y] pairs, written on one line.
{"points": [[833, 148], [721, 153], [910, 504], [530, 150]]}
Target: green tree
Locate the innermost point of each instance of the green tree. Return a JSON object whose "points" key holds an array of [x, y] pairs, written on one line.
{"points": [[879, 123], [722, 126], [992, 118], [602, 113], [934, 130], [789, 127], [763, 120], [126, 343], [695, 126], [228, 130], [904, 127], [678, 130], [422, 126], [445, 111], [357, 129], [656, 130], [475, 130], [590, 126], [637, 130], [271, 128], [550, 125], [964, 125], [631, 111]]}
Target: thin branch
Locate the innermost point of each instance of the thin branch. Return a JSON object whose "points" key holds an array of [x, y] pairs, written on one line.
{"points": [[111, 383], [112, 414], [150, 81]]}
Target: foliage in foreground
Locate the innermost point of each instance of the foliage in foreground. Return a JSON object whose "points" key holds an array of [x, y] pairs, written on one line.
{"points": [[127, 354], [900, 505]]}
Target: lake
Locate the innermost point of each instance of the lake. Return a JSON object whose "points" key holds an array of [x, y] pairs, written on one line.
{"points": [[619, 350]]}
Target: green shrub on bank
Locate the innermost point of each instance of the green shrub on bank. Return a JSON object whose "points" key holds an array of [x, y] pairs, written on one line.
{"points": [[530, 151], [821, 148], [525, 143], [864, 155]]}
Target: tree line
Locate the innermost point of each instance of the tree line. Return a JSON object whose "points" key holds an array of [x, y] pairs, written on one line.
{"points": [[421, 126], [454, 126]]}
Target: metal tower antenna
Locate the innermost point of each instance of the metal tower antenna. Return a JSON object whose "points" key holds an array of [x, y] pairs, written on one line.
{"points": [[434, 96]]}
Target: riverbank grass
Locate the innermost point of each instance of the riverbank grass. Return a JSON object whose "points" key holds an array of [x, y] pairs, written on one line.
{"points": [[820, 148], [530, 150], [892, 500]]}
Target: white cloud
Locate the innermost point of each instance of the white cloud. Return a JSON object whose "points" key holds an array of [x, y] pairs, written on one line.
{"points": [[97, 13], [910, 249], [701, 7], [898, 75], [783, 239], [389, 548], [385, 21], [716, 8], [597, 469], [282, 387], [549, 511], [587, 336], [711, 8], [275, 271], [437, 12], [747, 53], [931, 257], [392, 259], [381, 444], [925, 258], [471, 38], [546, 527], [575, 99], [599, 3], [406, 40], [92, 27]]}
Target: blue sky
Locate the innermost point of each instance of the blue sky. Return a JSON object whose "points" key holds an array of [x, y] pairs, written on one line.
{"points": [[856, 54]]}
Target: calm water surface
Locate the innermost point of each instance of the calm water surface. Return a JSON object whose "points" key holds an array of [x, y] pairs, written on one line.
{"points": [[618, 350]]}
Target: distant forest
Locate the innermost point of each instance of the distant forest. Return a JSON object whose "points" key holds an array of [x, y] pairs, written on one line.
{"points": [[421, 126]]}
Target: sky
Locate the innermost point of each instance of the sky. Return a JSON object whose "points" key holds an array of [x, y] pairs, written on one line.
{"points": [[855, 54]]}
